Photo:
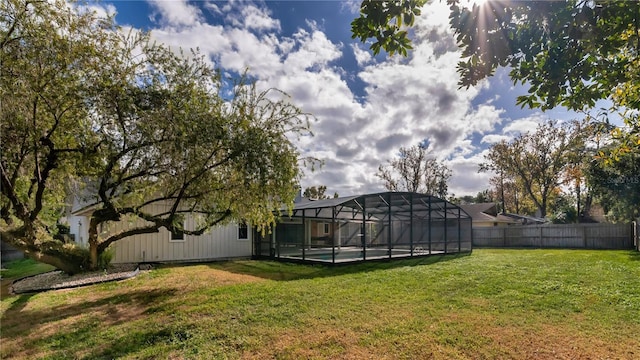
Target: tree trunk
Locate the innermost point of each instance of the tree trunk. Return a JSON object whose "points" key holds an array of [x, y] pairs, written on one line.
{"points": [[46, 250], [60, 263], [578, 201], [93, 256], [93, 244]]}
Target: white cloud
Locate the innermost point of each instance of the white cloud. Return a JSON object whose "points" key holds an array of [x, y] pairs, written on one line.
{"points": [[315, 51], [101, 10], [495, 138], [406, 100], [175, 13], [252, 17], [363, 57], [352, 6], [465, 177], [524, 125], [484, 118]]}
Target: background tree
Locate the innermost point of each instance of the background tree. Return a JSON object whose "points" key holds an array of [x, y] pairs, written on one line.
{"points": [[414, 170], [314, 192], [511, 195], [617, 186], [536, 160], [85, 103], [570, 53], [484, 196], [564, 210]]}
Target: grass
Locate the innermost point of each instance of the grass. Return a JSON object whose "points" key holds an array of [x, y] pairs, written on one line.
{"points": [[17, 269], [507, 304], [20, 268]]}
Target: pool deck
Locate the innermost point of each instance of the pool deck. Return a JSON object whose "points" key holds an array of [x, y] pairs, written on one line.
{"points": [[349, 255]]}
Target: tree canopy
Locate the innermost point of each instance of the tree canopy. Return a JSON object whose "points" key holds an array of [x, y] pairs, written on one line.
{"points": [[317, 192], [617, 186], [537, 160], [386, 22], [415, 170], [127, 123]]}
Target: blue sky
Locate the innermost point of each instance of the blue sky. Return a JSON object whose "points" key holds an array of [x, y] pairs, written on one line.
{"points": [[366, 107]]}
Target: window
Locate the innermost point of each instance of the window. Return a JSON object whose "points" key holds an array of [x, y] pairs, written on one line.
{"points": [[243, 231], [178, 234], [326, 228]]}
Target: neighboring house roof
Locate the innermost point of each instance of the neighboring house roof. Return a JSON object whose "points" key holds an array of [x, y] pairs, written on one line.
{"points": [[526, 220], [487, 212]]}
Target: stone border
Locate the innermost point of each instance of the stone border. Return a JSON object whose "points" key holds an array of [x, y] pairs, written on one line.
{"points": [[57, 280]]}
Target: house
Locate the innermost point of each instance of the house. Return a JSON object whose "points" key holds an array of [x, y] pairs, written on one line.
{"points": [[232, 240], [486, 215], [347, 229]]}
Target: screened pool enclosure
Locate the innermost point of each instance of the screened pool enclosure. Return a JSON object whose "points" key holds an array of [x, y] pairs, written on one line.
{"points": [[367, 227]]}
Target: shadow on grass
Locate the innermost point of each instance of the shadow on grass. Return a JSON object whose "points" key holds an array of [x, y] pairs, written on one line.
{"points": [[168, 337], [157, 340], [634, 255], [16, 321], [18, 304], [288, 271]]}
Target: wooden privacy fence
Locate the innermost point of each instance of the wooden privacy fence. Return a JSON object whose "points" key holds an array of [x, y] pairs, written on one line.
{"points": [[585, 236]]}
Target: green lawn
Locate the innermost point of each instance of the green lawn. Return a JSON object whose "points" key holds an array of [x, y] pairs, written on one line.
{"points": [[23, 267], [537, 304]]}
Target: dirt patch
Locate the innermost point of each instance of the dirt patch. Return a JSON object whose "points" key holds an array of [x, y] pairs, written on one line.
{"points": [[5, 287], [557, 342], [326, 343], [202, 276]]}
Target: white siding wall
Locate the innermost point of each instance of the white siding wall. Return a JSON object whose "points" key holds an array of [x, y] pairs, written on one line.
{"points": [[218, 243], [79, 226]]}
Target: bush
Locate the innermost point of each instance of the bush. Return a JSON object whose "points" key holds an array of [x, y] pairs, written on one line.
{"points": [[104, 259]]}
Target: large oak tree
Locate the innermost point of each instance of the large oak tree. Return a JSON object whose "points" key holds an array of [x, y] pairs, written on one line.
{"points": [[537, 161], [125, 123]]}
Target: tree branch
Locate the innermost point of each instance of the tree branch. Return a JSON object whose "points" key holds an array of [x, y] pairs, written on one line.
{"points": [[103, 245], [51, 163]]}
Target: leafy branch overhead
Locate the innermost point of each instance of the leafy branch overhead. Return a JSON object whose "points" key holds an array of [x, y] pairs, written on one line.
{"points": [[387, 23], [568, 53]]}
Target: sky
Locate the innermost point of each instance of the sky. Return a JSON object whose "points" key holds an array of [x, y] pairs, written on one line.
{"points": [[365, 107]]}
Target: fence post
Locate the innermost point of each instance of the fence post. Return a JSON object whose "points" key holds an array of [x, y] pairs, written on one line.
{"points": [[584, 235], [504, 237], [636, 235], [540, 239]]}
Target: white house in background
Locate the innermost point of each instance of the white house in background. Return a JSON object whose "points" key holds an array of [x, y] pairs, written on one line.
{"points": [[487, 215], [220, 242]]}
